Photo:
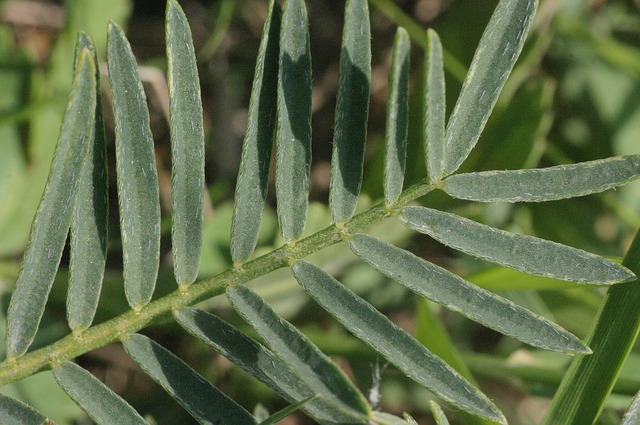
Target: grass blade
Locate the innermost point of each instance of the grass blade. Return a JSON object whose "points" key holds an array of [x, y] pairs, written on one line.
{"points": [[632, 415], [492, 62], [435, 102], [589, 380], [137, 176], [397, 118], [258, 361], [545, 184], [438, 414], [14, 412], [200, 398], [90, 219], [352, 111], [187, 146], [53, 218], [278, 416], [253, 176], [453, 292], [95, 398], [520, 252], [393, 343], [294, 121], [320, 373]]}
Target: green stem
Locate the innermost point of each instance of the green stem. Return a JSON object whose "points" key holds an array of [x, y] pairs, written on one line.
{"points": [[74, 345]]}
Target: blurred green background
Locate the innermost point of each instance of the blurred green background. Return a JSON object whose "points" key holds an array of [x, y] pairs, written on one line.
{"points": [[573, 96]]}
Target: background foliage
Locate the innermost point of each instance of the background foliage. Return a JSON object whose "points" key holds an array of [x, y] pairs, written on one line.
{"points": [[572, 97]]}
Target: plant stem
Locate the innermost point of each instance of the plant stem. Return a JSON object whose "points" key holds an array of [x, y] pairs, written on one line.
{"points": [[118, 328]]}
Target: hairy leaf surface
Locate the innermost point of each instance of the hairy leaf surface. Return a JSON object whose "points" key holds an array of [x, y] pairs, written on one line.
{"points": [[187, 146], [544, 184], [199, 397], [396, 345], [444, 287], [314, 367], [352, 112], [434, 104], [138, 196], [632, 415], [253, 175], [53, 218], [397, 118], [14, 412], [99, 401], [294, 121], [90, 217], [492, 62]]}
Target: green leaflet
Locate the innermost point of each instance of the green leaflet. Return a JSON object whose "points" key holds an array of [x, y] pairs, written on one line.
{"points": [[14, 412], [187, 146], [383, 418], [397, 346], [525, 253], [53, 218], [434, 105], [314, 367], [256, 360], [90, 218], [444, 287], [437, 413], [352, 112], [632, 415], [253, 176], [289, 410], [492, 62], [137, 176], [95, 398], [397, 118], [199, 397], [294, 121], [544, 184]]}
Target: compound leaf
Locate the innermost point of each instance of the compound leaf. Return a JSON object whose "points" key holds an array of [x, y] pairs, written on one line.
{"points": [[544, 184], [187, 146], [482, 306], [199, 397], [396, 345], [95, 398], [53, 218]]}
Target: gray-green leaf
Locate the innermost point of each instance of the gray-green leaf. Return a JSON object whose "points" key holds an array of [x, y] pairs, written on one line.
{"points": [[396, 345], [100, 402], [90, 218], [294, 121], [137, 176], [632, 415], [352, 111], [313, 366], [520, 252], [492, 62], [53, 218], [187, 146], [480, 305], [397, 118], [258, 361], [434, 105], [14, 412], [199, 397], [544, 184], [253, 175]]}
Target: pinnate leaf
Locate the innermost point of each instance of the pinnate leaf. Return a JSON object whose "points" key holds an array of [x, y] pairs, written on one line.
{"points": [[199, 397], [14, 412], [492, 62], [352, 111], [187, 146], [100, 402], [444, 287], [520, 252], [138, 196], [434, 104], [253, 175], [396, 345], [544, 184], [53, 218]]}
